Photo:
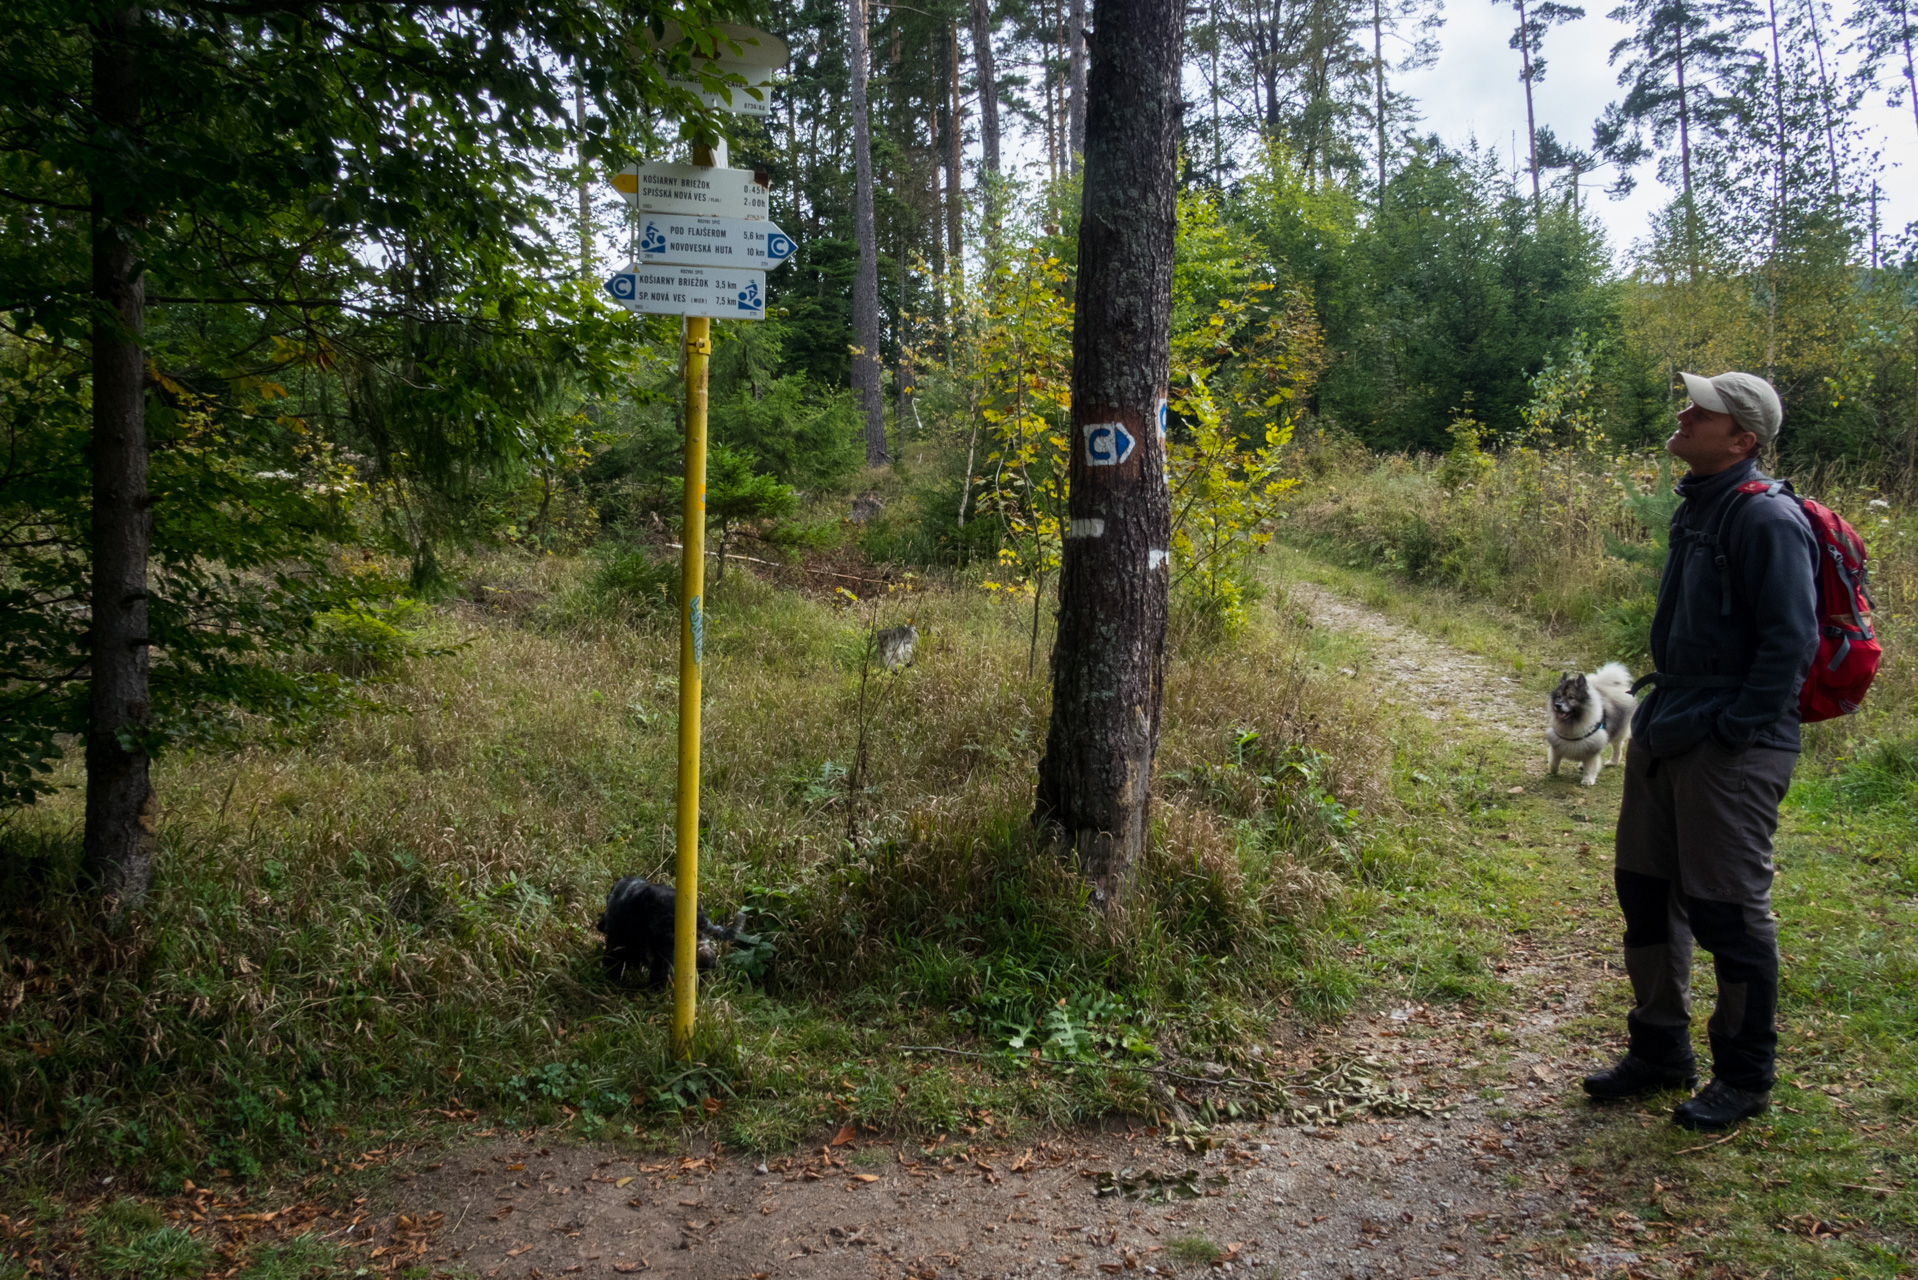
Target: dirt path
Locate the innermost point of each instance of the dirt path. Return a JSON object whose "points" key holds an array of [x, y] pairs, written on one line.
{"points": [[1455, 1191], [1446, 684]]}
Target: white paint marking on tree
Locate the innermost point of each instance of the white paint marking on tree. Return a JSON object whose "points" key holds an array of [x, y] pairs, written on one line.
{"points": [[1165, 457], [1089, 527], [1156, 559]]}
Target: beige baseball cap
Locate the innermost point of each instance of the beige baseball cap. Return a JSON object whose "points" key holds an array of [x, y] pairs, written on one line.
{"points": [[1748, 398]]}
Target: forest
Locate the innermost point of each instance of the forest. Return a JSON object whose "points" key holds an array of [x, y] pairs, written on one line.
{"points": [[340, 592]]}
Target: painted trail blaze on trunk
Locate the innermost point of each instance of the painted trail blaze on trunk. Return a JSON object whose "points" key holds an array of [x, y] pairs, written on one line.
{"points": [[1108, 660]]}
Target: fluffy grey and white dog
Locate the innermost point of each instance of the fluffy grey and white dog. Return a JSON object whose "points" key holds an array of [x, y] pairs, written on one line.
{"points": [[1589, 713]]}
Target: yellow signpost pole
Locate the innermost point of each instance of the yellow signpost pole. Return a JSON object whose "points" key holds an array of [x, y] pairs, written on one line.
{"points": [[692, 635], [692, 629]]}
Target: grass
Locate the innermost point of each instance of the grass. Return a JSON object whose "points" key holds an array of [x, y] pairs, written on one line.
{"points": [[1193, 1250], [356, 934], [1824, 1184], [380, 935]]}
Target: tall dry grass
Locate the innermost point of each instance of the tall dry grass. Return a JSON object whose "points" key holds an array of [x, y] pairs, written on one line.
{"points": [[1526, 528], [1555, 534]]}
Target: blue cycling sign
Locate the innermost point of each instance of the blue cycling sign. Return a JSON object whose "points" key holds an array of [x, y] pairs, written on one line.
{"points": [[721, 293]]}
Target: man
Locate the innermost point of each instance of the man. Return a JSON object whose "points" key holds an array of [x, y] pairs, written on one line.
{"points": [[1711, 754]]}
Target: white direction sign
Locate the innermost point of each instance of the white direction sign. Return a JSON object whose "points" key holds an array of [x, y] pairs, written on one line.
{"points": [[720, 242], [747, 52], [743, 102], [724, 293], [693, 190]]}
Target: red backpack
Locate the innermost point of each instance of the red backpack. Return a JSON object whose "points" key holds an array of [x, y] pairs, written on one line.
{"points": [[1848, 651]]}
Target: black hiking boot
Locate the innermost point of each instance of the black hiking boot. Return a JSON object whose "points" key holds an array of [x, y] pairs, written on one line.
{"points": [[1719, 1106], [1633, 1077]]}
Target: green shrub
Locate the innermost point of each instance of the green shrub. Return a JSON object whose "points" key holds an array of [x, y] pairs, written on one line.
{"points": [[368, 641], [623, 585]]}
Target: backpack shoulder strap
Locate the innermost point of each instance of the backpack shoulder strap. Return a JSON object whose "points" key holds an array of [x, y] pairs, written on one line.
{"points": [[1727, 508]]}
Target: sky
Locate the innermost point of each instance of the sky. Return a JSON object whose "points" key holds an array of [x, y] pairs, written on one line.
{"points": [[1473, 90]]}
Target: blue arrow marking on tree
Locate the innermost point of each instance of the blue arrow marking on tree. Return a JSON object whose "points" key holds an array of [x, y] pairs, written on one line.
{"points": [[1108, 444]]}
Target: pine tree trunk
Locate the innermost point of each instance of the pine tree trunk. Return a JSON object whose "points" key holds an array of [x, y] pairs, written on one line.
{"points": [[1824, 94], [1777, 192], [121, 809], [585, 201], [1076, 73], [1685, 155], [1212, 90], [1911, 71], [1684, 115], [988, 122], [1108, 658], [1531, 120], [988, 85], [1378, 88], [866, 380], [955, 194]]}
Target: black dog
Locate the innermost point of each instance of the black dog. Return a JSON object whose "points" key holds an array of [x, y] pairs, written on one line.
{"points": [[638, 924]]}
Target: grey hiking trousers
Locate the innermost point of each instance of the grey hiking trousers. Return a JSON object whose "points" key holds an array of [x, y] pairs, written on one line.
{"points": [[1694, 861]]}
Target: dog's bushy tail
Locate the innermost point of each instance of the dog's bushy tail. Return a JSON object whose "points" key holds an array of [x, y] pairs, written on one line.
{"points": [[1614, 679]]}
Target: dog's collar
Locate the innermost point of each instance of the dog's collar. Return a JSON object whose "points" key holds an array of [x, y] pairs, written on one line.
{"points": [[1589, 732]]}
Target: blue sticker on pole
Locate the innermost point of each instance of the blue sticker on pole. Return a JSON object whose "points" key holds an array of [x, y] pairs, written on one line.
{"points": [[1108, 444]]}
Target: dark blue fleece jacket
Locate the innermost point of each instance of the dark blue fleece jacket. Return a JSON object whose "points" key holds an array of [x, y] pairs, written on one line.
{"points": [[1767, 640]]}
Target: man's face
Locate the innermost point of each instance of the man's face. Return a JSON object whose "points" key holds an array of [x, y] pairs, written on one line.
{"points": [[1708, 441]]}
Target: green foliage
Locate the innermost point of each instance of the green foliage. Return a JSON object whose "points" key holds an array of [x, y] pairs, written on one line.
{"points": [[738, 497], [543, 1090], [1023, 361], [1225, 447], [370, 640], [1562, 410], [1193, 1250], [249, 504], [158, 1252], [1882, 774], [632, 583], [1465, 463], [790, 430], [1454, 293], [355, 289]]}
